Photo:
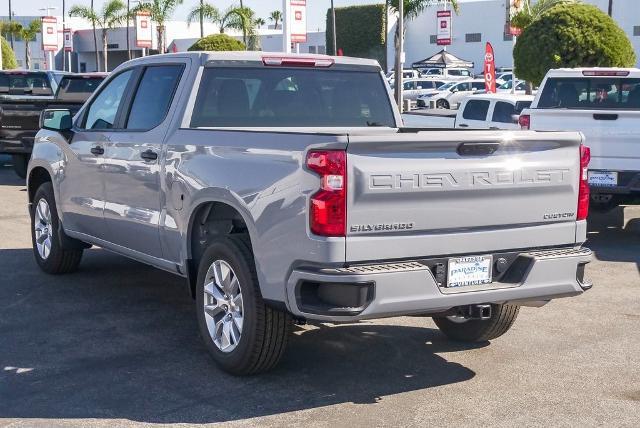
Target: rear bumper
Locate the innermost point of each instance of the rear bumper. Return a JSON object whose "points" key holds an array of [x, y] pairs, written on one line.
{"points": [[20, 144], [411, 287]]}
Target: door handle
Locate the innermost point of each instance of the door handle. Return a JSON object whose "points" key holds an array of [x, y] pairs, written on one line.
{"points": [[463, 125], [495, 128], [149, 155], [97, 150]]}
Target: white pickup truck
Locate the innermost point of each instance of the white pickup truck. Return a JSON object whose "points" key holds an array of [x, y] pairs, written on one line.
{"points": [[482, 111], [604, 104]]}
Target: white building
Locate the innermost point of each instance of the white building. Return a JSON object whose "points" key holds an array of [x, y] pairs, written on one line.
{"points": [[481, 21]]}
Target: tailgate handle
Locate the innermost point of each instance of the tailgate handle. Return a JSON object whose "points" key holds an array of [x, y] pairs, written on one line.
{"points": [[603, 116], [477, 149]]}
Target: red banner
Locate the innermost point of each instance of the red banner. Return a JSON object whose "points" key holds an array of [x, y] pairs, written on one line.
{"points": [[489, 70]]}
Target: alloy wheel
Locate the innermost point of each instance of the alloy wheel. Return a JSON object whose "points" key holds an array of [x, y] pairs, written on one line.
{"points": [[43, 227]]}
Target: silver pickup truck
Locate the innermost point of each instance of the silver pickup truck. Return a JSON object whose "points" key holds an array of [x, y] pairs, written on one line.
{"points": [[283, 189]]}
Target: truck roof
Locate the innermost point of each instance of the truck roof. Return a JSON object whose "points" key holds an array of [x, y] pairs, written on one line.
{"points": [[205, 56], [600, 72], [503, 96]]}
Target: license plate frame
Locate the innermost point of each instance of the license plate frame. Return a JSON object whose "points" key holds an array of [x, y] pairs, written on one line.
{"points": [[469, 271], [603, 178]]}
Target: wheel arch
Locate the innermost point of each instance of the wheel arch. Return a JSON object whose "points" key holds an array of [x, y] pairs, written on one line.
{"points": [[37, 177], [208, 220]]}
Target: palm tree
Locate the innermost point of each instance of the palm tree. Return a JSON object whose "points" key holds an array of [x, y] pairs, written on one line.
{"points": [[260, 22], [532, 12], [95, 41], [610, 10], [276, 17], [161, 11], [113, 13], [28, 34]]}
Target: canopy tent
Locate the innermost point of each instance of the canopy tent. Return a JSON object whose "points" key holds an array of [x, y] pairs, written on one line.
{"points": [[442, 59]]}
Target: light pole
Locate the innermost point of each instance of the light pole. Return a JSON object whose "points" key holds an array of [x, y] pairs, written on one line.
{"points": [[399, 59], [128, 16], [333, 29], [201, 19], [64, 54], [11, 19]]}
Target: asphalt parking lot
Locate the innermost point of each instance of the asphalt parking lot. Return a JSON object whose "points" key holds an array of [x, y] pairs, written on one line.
{"points": [[117, 344]]}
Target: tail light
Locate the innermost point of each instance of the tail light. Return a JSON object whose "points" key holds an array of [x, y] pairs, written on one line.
{"points": [[328, 207], [524, 121], [583, 184]]}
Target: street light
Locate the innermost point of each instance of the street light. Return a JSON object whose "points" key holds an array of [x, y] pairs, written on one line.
{"points": [[333, 29]]}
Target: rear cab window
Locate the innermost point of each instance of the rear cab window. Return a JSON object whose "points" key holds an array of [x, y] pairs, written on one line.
{"points": [[258, 96], [600, 93], [25, 83], [78, 87], [476, 110]]}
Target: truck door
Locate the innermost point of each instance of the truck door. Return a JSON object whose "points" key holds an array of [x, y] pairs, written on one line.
{"points": [[82, 189], [474, 115], [132, 164]]}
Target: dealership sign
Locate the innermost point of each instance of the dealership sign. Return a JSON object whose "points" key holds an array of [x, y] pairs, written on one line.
{"points": [[515, 7], [443, 35], [489, 69], [68, 40], [298, 21], [49, 33], [144, 35]]}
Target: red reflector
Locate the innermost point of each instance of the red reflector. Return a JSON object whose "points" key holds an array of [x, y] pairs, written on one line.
{"points": [[276, 61], [616, 73], [583, 183], [524, 121], [328, 206]]}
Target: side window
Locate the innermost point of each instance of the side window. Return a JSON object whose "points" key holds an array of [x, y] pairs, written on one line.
{"points": [[465, 73], [103, 109], [454, 72], [478, 85], [503, 112], [153, 96], [476, 110], [408, 86]]}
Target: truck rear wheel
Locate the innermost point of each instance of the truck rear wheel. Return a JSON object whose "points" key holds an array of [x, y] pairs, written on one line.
{"points": [[477, 330], [20, 163], [243, 335], [45, 234]]}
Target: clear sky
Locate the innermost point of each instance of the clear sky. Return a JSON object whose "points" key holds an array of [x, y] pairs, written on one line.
{"points": [[316, 15]]}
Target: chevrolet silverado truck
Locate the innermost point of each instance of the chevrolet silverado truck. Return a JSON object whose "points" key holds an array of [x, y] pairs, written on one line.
{"points": [[604, 104], [284, 190], [20, 114]]}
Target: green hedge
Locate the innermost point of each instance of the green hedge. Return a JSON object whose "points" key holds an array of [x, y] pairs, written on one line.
{"points": [[8, 56], [360, 32], [218, 42], [571, 35]]}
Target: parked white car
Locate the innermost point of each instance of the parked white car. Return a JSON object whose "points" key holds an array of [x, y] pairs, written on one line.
{"points": [[453, 73], [406, 74], [603, 104], [451, 94], [486, 111], [413, 88]]}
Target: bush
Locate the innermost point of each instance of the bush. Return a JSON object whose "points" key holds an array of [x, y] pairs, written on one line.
{"points": [[360, 32], [218, 42], [8, 56], [571, 35]]}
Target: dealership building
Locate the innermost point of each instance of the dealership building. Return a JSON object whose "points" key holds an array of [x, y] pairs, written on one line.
{"points": [[481, 21]]}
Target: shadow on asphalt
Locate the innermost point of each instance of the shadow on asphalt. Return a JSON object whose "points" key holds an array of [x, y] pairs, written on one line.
{"points": [[7, 176], [608, 235], [119, 340]]}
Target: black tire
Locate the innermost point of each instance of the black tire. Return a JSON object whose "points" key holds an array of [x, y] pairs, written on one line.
{"points": [[442, 104], [59, 260], [265, 330], [474, 330], [20, 163]]}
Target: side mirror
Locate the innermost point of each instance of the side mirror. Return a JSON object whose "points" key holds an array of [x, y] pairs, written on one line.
{"points": [[56, 120], [454, 90]]}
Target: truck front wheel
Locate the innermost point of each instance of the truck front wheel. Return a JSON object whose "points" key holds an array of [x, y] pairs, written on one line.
{"points": [[476, 330], [243, 335]]}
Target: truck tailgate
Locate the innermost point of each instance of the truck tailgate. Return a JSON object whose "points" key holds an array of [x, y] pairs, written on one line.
{"points": [[438, 193], [612, 135], [21, 115]]}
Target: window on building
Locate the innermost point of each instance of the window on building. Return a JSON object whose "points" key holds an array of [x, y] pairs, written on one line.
{"points": [[312, 49], [322, 50], [473, 37], [636, 30], [433, 39], [113, 45]]}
